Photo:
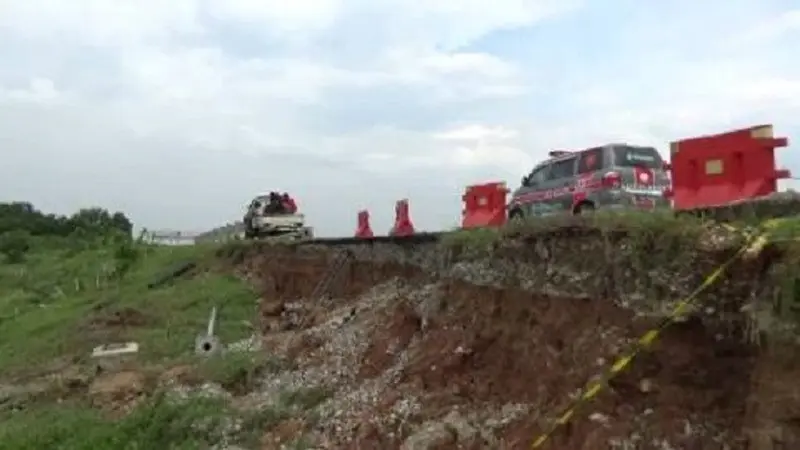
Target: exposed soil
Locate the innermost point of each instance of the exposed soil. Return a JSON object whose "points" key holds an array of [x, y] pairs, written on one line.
{"points": [[447, 364], [403, 324], [383, 354]]}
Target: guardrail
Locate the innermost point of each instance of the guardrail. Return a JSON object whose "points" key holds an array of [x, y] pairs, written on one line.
{"points": [[224, 233], [170, 237], [178, 237]]}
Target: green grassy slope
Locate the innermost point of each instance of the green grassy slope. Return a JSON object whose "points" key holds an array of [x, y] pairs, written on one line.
{"points": [[58, 304]]}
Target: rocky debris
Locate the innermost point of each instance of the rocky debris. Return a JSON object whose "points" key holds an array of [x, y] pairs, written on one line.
{"points": [[183, 374], [478, 427], [427, 349], [251, 344], [180, 392], [285, 432], [639, 271], [342, 343]]}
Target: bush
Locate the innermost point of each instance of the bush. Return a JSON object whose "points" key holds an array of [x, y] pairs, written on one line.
{"points": [[126, 255], [94, 222], [14, 245]]}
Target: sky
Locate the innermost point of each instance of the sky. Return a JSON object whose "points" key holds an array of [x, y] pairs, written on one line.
{"points": [[178, 112]]}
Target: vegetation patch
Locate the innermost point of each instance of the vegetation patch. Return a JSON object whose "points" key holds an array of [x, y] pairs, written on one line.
{"points": [[159, 423], [67, 290], [239, 372], [645, 231]]}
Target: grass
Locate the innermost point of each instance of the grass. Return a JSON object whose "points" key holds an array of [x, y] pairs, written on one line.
{"points": [[61, 302], [160, 423], [58, 306], [642, 225], [639, 224]]}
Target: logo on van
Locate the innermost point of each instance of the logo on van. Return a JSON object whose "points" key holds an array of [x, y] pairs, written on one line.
{"points": [[633, 157]]}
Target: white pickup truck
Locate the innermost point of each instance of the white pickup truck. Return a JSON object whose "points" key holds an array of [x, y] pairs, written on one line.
{"points": [[262, 220]]}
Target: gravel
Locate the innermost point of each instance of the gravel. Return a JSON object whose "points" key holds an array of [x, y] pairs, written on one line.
{"points": [[345, 337]]}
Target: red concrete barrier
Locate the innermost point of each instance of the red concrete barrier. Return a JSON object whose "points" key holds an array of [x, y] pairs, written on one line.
{"points": [[363, 229], [402, 220], [725, 168], [484, 205]]}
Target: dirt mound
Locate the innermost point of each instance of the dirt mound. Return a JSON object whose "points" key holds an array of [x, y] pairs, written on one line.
{"points": [[420, 359], [497, 349], [482, 342]]}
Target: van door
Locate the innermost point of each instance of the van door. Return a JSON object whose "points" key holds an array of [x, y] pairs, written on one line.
{"points": [[561, 180], [531, 194]]}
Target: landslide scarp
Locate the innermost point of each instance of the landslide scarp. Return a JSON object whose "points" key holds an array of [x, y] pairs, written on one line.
{"points": [[479, 341]]}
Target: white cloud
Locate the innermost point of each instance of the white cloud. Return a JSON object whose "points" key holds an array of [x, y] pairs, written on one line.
{"points": [[39, 90], [361, 101], [477, 132], [99, 22], [456, 75], [279, 18], [451, 24], [772, 28]]}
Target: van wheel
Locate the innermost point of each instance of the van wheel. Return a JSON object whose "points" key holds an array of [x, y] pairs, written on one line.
{"points": [[584, 208], [516, 216]]}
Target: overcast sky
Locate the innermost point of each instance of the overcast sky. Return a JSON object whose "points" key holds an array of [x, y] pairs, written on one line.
{"points": [[179, 111]]}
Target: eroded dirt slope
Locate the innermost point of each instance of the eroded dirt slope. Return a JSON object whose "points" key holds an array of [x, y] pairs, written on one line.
{"points": [[424, 359]]}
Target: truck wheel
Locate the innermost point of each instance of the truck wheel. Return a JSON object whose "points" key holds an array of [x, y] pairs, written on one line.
{"points": [[516, 215], [584, 208]]}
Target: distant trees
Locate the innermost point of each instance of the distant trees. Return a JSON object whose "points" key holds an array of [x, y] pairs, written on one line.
{"points": [[20, 222], [93, 221]]}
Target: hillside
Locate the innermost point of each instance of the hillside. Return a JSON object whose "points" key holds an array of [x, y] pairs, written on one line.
{"points": [[474, 340]]}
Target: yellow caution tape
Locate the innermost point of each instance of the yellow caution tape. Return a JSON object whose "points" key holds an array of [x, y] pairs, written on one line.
{"points": [[755, 243]]}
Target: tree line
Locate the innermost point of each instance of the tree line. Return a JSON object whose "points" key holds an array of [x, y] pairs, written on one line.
{"points": [[21, 224]]}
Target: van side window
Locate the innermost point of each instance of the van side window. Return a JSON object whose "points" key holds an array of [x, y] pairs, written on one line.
{"points": [[538, 176], [629, 156], [591, 160], [562, 169]]}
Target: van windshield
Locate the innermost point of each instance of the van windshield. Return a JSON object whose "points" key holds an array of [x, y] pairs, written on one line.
{"points": [[627, 156]]}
